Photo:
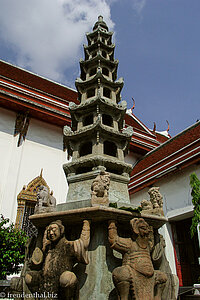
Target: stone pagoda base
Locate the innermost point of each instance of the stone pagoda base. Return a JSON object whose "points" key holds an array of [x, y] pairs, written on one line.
{"points": [[80, 187], [95, 279]]}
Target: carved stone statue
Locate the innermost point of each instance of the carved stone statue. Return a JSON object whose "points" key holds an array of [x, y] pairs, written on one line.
{"points": [[51, 270], [46, 202], [160, 262], [155, 205], [136, 277], [128, 130], [155, 197], [146, 205], [67, 130], [100, 187]]}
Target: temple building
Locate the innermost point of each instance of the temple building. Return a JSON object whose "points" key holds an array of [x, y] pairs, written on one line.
{"points": [[34, 147]]}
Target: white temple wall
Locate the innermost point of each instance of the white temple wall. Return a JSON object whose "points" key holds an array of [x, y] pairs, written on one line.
{"points": [[19, 165], [175, 189], [177, 203], [132, 158]]}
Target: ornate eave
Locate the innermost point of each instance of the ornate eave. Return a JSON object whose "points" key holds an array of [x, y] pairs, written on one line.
{"points": [[85, 106], [118, 110], [92, 129], [82, 85], [99, 44], [95, 161], [90, 62], [96, 31]]}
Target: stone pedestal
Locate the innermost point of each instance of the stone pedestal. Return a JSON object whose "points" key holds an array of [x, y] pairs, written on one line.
{"points": [[95, 279], [80, 187]]}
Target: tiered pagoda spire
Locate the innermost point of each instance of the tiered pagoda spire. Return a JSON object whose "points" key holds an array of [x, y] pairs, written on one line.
{"points": [[97, 140]]}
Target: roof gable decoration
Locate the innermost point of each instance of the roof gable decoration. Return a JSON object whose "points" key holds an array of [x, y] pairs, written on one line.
{"points": [[27, 200], [143, 127]]}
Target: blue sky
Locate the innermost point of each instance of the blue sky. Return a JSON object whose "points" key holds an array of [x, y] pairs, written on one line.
{"points": [[157, 44]]}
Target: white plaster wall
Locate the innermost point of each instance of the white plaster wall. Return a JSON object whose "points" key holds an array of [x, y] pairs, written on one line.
{"points": [[132, 158], [165, 230], [19, 165], [7, 144], [175, 189]]}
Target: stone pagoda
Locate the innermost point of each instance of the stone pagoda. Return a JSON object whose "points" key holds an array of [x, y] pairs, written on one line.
{"points": [[78, 254], [97, 141]]}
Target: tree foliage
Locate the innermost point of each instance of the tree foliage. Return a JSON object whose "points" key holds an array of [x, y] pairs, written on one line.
{"points": [[195, 185], [12, 248]]}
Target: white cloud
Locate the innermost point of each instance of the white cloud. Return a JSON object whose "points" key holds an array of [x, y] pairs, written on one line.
{"points": [[47, 35], [138, 5]]}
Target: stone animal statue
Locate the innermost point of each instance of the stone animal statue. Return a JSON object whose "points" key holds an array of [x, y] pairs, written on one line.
{"points": [[155, 205], [46, 202], [155, 197], [160, 262], [51, 270], [100, 187], [146, 205], [67, 130], [136, 278]]}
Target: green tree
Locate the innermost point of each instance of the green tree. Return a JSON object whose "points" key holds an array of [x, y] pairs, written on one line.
{"points": [[195, 185], [12, 248]]}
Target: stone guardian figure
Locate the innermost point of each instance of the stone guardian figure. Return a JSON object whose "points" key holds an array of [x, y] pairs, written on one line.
{"points": [[136, 277], [52, 266], [46, 202]]}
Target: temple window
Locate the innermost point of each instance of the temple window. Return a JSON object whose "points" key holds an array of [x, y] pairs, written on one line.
{"points": [[110, 148], [83, 75], [94, 54], [104, 54], [112, 57], [90, 93], [93, 71], [114, 76], [79, 96], [88, 120], [85, 149], [82, 170], [106, 92], [107, 120], [105, 71]]}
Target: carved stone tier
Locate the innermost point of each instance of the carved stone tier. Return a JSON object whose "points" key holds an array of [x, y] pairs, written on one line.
{"points": [[84, 65], [80, 184], [97, 105], [95, 214]]}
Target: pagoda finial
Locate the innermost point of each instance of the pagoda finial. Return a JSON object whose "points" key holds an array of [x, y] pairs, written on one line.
{"points": [[100, 19], [100, 23]]}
